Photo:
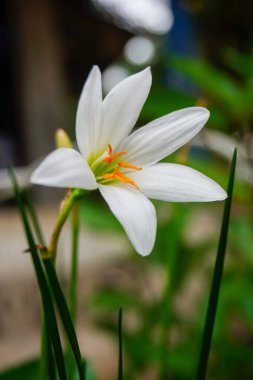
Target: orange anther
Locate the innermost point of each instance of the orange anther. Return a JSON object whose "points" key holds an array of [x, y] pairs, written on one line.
{"points": [[112, 156], [129, 166], [120, 177], [108, 176], [123, 178]]}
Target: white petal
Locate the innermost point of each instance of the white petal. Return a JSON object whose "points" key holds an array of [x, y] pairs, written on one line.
{"points": [[64, 167], [88, 115], [177, 183], [136, 214], [122, 106], [163, 136]]}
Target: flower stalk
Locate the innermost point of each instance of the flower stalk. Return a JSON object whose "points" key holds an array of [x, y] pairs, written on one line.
{"points": [[68, 202]]}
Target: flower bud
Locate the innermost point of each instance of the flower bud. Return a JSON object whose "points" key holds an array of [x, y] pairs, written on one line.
{"points": [[62, 140]]}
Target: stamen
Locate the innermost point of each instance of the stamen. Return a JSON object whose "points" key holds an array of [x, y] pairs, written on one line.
{"points": [[120, 177], [112, 156], [116, 174], [129, 166]]}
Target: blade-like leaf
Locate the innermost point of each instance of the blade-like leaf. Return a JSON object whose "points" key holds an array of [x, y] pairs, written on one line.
{"points": [[47, 362], [57, 292], [49, 312], [216, 282], [120, 360], [33, 216], [64, 313]]}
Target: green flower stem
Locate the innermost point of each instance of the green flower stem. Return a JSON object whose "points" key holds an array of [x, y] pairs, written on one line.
{"points": [[120, 358], [71, 197], [74, 263], [171, 277], [69, 204], [73, 284]]}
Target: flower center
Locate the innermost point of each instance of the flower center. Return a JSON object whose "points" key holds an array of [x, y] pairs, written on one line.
{"points": [[112, 171]]}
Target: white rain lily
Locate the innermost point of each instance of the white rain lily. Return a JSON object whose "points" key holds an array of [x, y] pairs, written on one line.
{"points": [[124, 167]]}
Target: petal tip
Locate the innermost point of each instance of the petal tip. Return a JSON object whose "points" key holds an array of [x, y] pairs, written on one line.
{"points": [[35, 178], [145, 75], [218, 193], [197, 109], [222, 195], [148, 73], [96, 69], [144, 253], [204, 112]]}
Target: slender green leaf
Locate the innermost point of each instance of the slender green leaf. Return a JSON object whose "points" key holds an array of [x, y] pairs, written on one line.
{"points": [[47, 362], [64, 312], [216, 282], [120, 362], [33, 216], [49, 312], [56, 288]]}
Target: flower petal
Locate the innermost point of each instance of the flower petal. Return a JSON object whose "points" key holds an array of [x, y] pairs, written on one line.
{"points": [[122, 106], [89, 113], [163, 136], [136, 214], [177, 183], [64, 167]]}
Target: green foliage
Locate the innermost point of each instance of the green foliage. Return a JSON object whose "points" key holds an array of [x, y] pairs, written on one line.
{"points": [[26, 371], [30, 371], [162, 335], [229, 90], [95, 213]]}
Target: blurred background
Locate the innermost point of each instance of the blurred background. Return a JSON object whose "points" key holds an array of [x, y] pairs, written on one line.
{"points": [[201, 53]]}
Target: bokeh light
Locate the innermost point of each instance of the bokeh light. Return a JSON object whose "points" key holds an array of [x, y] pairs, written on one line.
{"points": [[152, 16], [139, 50]]}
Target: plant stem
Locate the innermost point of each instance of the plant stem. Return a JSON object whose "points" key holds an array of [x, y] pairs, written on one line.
{"points": [[171, 274], [71, 197], [73, 283], [120, 358], [74, 263]]}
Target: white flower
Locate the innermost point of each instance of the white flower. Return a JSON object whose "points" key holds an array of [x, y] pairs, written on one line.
{"points": [[124, 167]]}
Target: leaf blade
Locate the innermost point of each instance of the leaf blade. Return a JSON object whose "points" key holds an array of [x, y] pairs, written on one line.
{"points": [[64, 313], [42, 282], [216, 282]]}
